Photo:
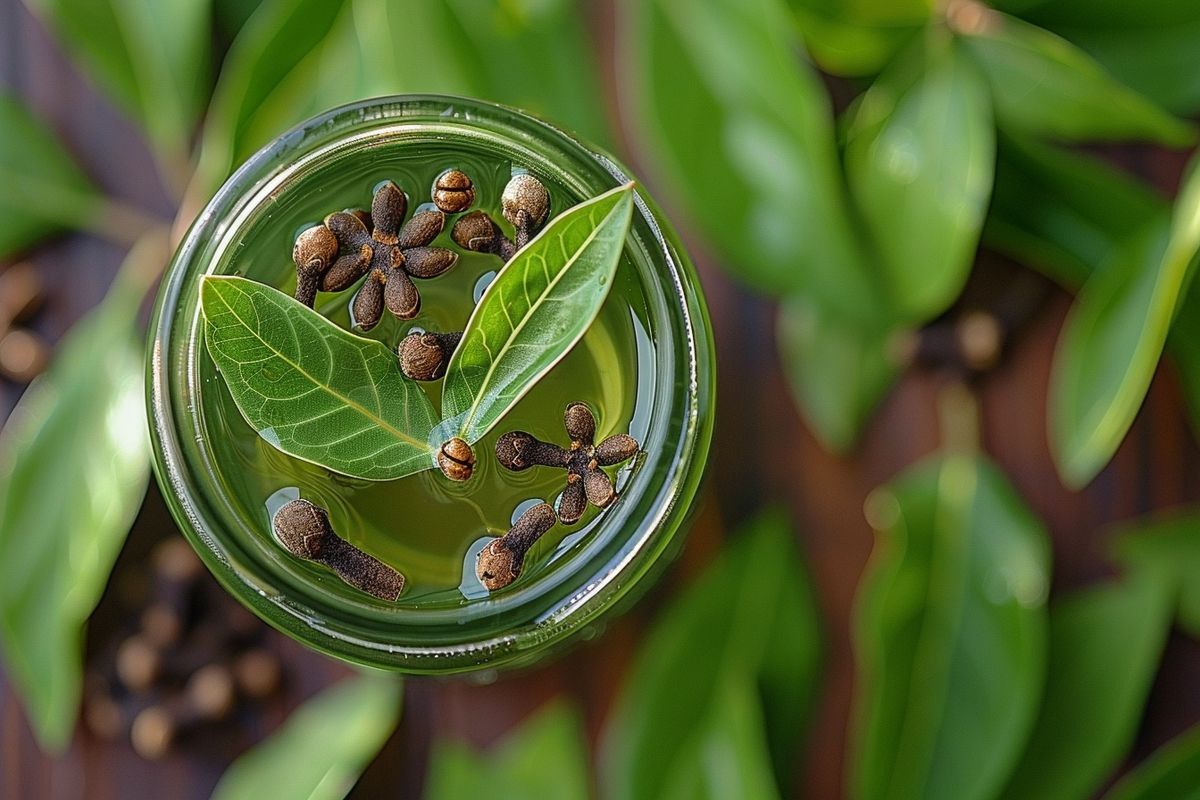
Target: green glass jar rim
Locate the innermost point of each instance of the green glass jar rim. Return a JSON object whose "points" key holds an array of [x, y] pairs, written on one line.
{"points": [[517, 625]]}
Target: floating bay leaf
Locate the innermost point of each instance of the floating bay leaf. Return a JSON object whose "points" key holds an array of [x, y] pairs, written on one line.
{"points": [[540, 304], [310, 388]]}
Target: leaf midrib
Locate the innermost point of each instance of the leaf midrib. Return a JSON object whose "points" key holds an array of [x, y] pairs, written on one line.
{"points": [[424, 446], [469, 419]]}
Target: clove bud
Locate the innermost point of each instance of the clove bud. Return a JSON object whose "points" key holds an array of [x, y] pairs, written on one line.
{"points": [[525, 202], [500, 562], [456, 459], [424, 356], [304, 530], [453, 191], [314, 253]]}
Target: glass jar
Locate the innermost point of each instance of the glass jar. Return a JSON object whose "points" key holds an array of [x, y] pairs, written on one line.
{"points": [[513, 627]]}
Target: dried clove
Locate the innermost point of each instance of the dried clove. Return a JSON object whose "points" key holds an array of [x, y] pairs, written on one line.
{"points": [[525, 202], [424, 356], [586, 482], [314, 252], [456, 459], [208, 697], [23, 355], [453, 191], [304, 530], [478, 233], [499, 563], [393, 253]]}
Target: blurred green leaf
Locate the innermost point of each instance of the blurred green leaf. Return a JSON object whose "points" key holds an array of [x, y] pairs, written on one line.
{"points": [[1149, 45], [546, 757], [43, 189], [950, 634], [1172, 771], [1064, 214], [532, 54], [232, 15], [871, 12], [151, 56], [920, 153], [1168, 550], [740, 130], [732, 756], [838, 369], [748, 620], [1113, 338], [277, 37], [1061, 212], [1044, 86], [845, 45], [74, 458], [322, 748], [1105, 644]]}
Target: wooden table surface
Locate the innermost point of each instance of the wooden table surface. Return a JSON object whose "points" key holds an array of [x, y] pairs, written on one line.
{"points": [[1158, 466]]}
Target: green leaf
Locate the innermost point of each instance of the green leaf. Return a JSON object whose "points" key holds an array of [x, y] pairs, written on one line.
{"points": [[842, 43], [43, 189], [311, 389], [540, 304], [1105, 644], [545, 757], [1044, 86], [950, 634], [741, 134], [732, 756], [920, 152], [322, 748], [277, 37], [748, 621], [74, 458], [151, 56], [1064, 213], [1114, 336], [1172, 771], [1167, 549], [532, 55], [838, 369]]}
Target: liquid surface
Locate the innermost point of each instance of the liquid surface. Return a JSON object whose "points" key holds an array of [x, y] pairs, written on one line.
{"points": [[424, 525]]}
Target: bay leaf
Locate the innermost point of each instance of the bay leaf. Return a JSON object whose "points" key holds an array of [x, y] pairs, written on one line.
{"points": [[1043, 85], [958, 579], [537, 308], [322, 748], [74, 460], [1114, 336], [311, 389]]}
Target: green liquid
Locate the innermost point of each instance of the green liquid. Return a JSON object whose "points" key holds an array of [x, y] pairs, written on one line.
{"points": [[425, 526]]}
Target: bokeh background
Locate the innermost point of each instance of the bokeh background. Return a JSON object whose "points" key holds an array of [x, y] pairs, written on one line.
{"points": [[893, 207]]}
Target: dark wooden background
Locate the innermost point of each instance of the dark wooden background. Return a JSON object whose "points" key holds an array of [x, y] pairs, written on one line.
{"points": [[1157, 467]]}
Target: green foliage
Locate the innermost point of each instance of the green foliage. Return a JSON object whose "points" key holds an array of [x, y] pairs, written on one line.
{"points": [[919, 155], [1114, 336], [759, 177], [320, 751], [1045, 86], [837, 368], [151, 56], [74, 459], [1167, 549], [1105, 643], [545, 757], [958, 580], [689, 704], [1173, 771], [43, 189], [537, 309], [310, 388]]}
